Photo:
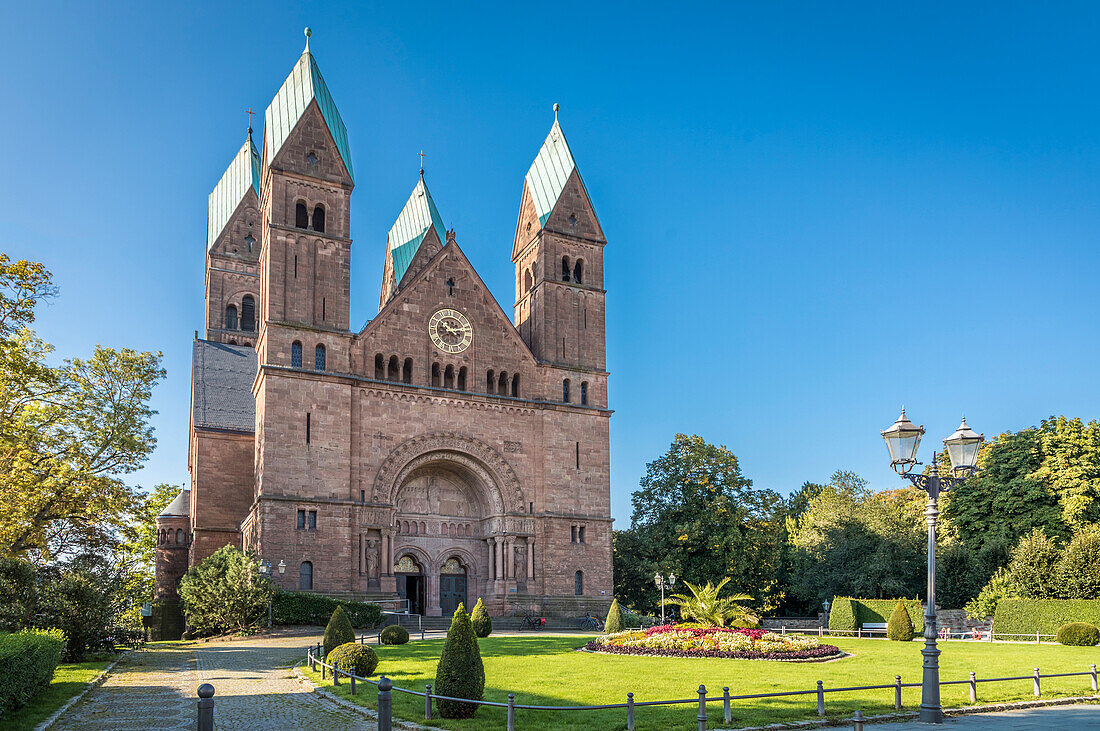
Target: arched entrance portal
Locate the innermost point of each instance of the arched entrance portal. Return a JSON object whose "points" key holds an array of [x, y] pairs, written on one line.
{"points": [[411, 583], [452, 586]]}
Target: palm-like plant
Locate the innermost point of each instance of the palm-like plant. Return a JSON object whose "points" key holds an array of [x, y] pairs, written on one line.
{"points": [[704, 605]]}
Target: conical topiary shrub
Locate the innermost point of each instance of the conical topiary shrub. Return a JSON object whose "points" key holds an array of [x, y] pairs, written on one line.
{"points": [[900, 626], [460, 673], [338, 632], [614, 621], [479, 619]]}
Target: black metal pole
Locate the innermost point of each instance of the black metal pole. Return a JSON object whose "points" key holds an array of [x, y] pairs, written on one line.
{"points": [[206, 707], [930, 709]]}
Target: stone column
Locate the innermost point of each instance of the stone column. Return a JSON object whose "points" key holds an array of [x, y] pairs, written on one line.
{"points": [[509, 559], [500, 557], [492, 563], [530, 559]]}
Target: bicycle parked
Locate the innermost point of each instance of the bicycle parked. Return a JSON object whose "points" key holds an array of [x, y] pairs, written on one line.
{"points": [[591, 623]]}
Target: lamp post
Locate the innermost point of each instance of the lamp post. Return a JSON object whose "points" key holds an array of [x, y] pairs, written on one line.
{"points": [[663, 582], [903, 439], [265, 569], [825, 605]]}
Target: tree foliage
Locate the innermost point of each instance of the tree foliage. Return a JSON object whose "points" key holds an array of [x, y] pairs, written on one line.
{"points": [[696, 515], [704, 605], [67, 432], [225, 592]]}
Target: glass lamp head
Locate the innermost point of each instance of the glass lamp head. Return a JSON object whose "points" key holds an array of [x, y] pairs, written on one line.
{"points": [[903, 440], [282, 567], [671, 579], [962, 449]]}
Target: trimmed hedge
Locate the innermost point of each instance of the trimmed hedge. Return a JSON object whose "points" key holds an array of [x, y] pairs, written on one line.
{"points": [[1078, 634], [354, 658], [480, 620], [28, 660], [847, 613], [1045, 616], [900, 626], [338, 632], [395, 634], [614, 621], [460, 673], [296, 607]]}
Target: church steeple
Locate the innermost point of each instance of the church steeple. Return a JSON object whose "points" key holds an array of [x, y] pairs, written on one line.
{"points": [[558, 254], [303, 87], [418, 227]]}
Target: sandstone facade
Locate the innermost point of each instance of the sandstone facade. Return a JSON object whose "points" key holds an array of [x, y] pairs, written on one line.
{"points": [[442, 453]]}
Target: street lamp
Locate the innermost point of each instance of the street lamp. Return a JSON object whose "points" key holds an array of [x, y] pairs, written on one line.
{"points": [[265, 569], [663, 582], [903, 439]]}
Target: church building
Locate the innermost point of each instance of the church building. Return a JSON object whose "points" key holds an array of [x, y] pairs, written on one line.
{"points": [[441, 453]]}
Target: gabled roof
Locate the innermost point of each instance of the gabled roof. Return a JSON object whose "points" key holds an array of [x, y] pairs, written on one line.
{"points": [[549, 172], [243, 173], [221, 386], [412, 225], [180, 505], [304, 85]]}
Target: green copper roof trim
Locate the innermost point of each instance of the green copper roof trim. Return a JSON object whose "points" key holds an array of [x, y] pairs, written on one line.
{"points": [[243, 172], [549, 172], [410, 228], [304, 85]]}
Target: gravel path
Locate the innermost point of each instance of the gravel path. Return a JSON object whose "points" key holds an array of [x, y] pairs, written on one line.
{"points": [[254, 689]]}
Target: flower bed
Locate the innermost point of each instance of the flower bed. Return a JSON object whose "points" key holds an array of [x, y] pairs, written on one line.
{"points": [[746, 644]]}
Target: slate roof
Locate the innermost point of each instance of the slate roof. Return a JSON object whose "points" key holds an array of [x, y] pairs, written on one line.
{"points": [[549, 172], [412, 224], [242, 173], [304, 85], [180, 505], [221, 386]]}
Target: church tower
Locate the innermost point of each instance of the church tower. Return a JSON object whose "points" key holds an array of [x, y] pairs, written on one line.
{"points": [[233, 251], [305, 202], [558, 254]]}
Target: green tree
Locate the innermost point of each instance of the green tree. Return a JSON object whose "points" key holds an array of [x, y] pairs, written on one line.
{"points": [[900, 625], [461, 672], [614, 621], [1079, 565], [67, 432], [225, 592], [338, 631], [480, 620], [695, 514], [137, 548], [703, 605]]}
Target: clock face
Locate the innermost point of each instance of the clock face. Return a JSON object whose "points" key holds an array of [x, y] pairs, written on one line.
{"points": [[450, 331]]}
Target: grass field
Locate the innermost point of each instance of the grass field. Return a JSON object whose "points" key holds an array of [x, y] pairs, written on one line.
{"points": [[70, 679], [546, 670]]}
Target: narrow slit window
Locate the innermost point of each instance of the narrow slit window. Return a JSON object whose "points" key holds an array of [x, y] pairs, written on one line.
{"points": [[407, 371], [311, 524], [565, 391], [584, 393], [578, 583], [436, 375], [323, 315], [462, 378], [305, 577], [319, 358], [379, 367], [449, 377], [301, 520], [394, 371], [515, 385], [308, 425], [296, 355], [248, 313], [578, 456], [580, 534], [230, 317], [490, 382]]}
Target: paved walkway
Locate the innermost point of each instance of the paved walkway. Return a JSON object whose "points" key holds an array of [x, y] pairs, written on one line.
{"points": [[255, 689], [1050, 718]]}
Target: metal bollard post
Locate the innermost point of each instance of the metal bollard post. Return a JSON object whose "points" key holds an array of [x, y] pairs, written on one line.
{"points": [[1036, 682], [428, 702], [859, 633], [323, 670], [897, 692], [702, 708], [629, 712], [206, 707], [820, 699], [727, 714], [973, 688], [857, 721], [1092, 671], [783, 629], [312, 661], [385, 704], [511, 712], [335, 676], [352, 676]]}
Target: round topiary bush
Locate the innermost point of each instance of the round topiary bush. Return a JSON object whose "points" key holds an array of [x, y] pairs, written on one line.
{"points": [[338, 632], [1079, 634], [395, 634], [460, 673], [480, 620], [900, 626], [354, 658]]}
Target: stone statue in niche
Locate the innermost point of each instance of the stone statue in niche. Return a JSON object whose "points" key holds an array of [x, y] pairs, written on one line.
{"points": [[520, 562], [372, 559]]}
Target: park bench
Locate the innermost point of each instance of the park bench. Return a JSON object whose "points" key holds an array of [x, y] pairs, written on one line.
{"points": [[874, 627]]}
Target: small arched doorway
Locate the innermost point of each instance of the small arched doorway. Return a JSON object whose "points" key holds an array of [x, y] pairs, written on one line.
{"points": [[452, 586], [410, 582]]}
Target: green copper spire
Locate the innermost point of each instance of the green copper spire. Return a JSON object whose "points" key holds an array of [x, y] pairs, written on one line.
{"points": [[304, 85], [550, 171], [243, 173], [412, 225]]}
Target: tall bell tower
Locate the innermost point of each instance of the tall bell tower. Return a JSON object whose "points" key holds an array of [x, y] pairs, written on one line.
{"points": [[558, 255]]}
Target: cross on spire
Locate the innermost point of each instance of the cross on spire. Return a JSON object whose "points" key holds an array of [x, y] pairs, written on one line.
{"points": [[250, 115], [421, 153]]}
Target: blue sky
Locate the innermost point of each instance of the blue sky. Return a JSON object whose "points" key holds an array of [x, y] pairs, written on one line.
{"points": [[815, 212]]}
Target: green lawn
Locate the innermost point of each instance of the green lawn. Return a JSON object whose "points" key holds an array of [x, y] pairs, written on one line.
{"points": [[547, 671], [70, 679]]}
